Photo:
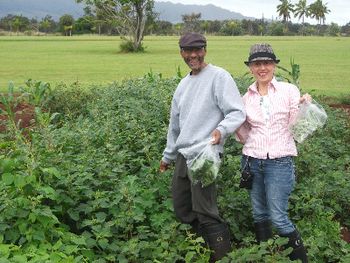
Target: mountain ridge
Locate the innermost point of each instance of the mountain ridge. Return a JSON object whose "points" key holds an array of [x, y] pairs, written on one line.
{"points": [[167, 11]]}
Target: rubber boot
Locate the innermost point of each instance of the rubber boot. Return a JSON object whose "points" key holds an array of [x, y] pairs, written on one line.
{"points": [[196, 228], [263, 231], [295, 242], [217, 236]]}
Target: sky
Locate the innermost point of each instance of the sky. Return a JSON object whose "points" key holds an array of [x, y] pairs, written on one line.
{"points": [[339, 9]]}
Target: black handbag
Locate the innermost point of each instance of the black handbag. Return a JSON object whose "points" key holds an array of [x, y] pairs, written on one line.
{"points": [[246, 176]]}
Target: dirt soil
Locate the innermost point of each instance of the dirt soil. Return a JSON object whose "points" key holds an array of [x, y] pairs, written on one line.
{"points": [[344, 107], [24, 114], [345, 234]]}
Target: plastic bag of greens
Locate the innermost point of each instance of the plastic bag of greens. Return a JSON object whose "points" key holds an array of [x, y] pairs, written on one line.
{"points": [[311, 116], [204, 167]]}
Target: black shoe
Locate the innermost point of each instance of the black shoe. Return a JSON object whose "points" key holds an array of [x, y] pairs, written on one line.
{"points": [[263, 231], [295, 242]]}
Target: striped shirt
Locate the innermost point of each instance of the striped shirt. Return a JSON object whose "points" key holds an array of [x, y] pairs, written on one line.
{"points": [[269, 138]]}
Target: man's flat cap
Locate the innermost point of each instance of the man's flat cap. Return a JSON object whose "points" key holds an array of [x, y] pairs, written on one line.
{"points": [[190, 40]]}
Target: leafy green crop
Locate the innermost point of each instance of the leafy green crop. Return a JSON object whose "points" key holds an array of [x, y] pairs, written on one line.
{"points": [[84, 186]]}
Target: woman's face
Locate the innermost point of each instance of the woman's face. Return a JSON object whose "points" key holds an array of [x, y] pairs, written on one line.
{"points": [[263, 70]]}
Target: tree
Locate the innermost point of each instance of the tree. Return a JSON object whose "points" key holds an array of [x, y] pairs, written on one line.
{"points": [[284, 9], [33, 24], [66, 24], [191, 22], [275, 29], [128, 16], [214, 26], [333, 30], [84, 25], [231, 28], [163, 28], [47, 24], [345, 30], [301, 10], [318, 10], [17, 23]]}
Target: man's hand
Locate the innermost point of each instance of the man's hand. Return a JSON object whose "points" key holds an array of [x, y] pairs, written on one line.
{"points": [[215, 137], [163, 166]]}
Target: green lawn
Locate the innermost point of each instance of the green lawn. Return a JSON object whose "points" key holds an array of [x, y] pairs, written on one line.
{"points": [[324, 61]]}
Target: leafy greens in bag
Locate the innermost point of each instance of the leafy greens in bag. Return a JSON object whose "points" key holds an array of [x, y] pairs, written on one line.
{"points": [[310, 117], [204, 168]]}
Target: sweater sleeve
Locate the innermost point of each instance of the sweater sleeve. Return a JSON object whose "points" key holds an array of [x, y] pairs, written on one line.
{"points": [[230, 103], [242, 133], [170, 151]]}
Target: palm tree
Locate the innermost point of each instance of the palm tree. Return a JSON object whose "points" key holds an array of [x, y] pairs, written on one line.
{"points": [[318, 10], [325, 11], [301, 10], [284, 9]]}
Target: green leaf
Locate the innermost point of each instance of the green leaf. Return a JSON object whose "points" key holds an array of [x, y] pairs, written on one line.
{"points": [[52, 171], [78, 240], [103, 243], [49, 192], [19, 258], [8, 165], [7, 178], [20, 180], [74, 214], [57, 245], [101, 216]]}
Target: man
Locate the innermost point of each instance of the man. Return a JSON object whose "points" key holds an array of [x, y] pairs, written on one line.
{"points": [[206, 104]]}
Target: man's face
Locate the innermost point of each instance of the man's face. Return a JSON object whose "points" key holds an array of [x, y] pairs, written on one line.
{"points": [[194, 58]]}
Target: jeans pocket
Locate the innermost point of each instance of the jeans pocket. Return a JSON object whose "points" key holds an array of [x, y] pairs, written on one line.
{"points": [[283, 160]]}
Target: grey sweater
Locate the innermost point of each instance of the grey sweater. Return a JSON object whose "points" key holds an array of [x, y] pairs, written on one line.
{"points": [[202, 103]]}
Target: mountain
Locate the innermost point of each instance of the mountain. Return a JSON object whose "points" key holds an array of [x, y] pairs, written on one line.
{"points": [[41, 8], [56, 8], [173, 12]]}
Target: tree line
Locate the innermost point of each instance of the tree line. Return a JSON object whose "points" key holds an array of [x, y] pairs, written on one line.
{"points": [[133, 19], [67, 25]]}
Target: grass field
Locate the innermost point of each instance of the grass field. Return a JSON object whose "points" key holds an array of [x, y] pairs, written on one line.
{"points": [[324, 61]]}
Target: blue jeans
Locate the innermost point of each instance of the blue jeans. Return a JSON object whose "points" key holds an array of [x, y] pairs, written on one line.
{"points": [[272, 184]]}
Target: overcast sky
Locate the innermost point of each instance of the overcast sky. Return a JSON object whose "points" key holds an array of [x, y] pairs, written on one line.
{"points": [[340, 9]]}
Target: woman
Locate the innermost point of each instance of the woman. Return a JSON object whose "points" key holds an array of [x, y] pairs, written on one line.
{"points": [[269, 148]]}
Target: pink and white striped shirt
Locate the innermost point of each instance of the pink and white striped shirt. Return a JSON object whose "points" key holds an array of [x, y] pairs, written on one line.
{"points": [[269, 138]]}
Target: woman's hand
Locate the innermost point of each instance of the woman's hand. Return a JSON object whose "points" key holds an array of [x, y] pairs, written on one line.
{"points": [[305, 98]]}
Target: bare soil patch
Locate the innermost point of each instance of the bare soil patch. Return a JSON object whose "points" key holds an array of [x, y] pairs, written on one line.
{"points": [[345, 234], [24, 116], [344, 107]]}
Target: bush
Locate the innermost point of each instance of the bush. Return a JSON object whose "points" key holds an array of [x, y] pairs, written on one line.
{"points": [[128, 46]]}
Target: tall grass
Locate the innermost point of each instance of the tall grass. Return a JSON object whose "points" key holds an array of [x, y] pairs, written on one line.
{"points": [[92, 60]]}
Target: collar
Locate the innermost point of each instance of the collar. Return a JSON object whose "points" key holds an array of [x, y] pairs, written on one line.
{"points": [[273, 85]]}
